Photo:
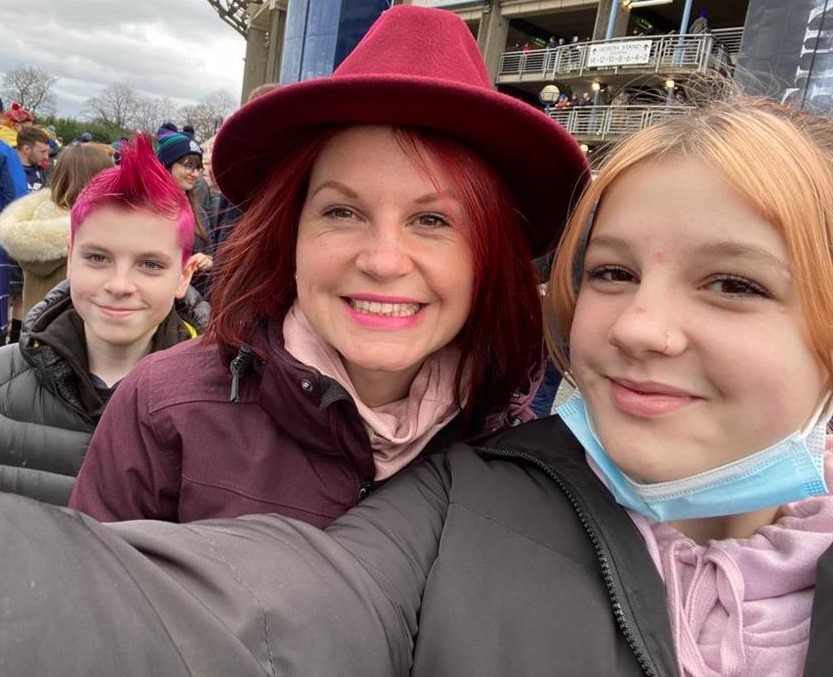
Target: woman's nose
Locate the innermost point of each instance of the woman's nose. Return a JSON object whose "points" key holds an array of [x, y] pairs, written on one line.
{"points": [[385, 253]]}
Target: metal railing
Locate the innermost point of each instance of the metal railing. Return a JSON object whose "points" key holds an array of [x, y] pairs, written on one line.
{"points": [[666, 54], [609, 123], [730, 38]]}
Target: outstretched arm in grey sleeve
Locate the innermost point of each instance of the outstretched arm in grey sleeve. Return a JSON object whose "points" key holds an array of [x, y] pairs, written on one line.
{"points": [[251, 596]]}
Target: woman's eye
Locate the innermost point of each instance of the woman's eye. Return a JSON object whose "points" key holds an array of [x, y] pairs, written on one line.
{"points": [[339, 213], [610, 274], [432, 220], [96, 258], [731, 285], [152, 265]]}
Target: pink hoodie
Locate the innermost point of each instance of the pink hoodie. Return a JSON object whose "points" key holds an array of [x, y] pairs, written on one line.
{"points": [[742, 607]]}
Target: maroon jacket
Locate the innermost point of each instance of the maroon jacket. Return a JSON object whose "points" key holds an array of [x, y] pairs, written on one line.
{"points": [[172, 446]]}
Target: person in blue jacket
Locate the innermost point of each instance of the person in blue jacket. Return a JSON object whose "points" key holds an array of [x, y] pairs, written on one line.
{"points": [[12, 186]]}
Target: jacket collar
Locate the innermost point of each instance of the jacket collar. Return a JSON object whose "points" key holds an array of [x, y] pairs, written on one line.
{"points": [[821, 628], [629, 572], [328, 390]]}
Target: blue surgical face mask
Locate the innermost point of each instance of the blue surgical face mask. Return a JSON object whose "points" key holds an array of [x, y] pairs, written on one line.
{"points": [[787, 471]]}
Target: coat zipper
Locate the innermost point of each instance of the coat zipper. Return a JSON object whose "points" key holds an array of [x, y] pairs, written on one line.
{"points": [[238, 367], [612, 589], [366, 489]]}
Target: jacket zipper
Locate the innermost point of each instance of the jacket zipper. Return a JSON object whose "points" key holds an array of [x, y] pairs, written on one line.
{"points": [[612, 589], [366, 489], [238, 367]]}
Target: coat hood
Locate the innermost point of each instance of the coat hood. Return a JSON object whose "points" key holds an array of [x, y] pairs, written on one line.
{"points": [[34, 228]]}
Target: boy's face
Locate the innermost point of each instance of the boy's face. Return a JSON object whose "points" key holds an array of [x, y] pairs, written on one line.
{"points": [[125, 270]]}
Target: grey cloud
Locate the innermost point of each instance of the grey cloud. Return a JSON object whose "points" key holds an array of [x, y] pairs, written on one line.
{"points": [[161, 48], [95, 15]]}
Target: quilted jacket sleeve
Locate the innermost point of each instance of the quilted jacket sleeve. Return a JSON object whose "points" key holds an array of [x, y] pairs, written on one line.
{"points": [[42, 438], [251, 596]]}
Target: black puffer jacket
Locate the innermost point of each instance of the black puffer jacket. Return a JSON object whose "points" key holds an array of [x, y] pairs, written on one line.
{"points": [[508, 559], [48, 404]]}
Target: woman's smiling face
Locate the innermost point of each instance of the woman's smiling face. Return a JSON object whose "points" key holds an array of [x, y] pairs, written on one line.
{"points": [[688, 340], [383, 268]]}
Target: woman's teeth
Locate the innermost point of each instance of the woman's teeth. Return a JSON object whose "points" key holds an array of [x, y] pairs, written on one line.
{"points": [[391, 309]]}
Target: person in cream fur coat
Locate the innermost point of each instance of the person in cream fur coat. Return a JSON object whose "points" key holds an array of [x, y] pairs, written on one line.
{"points": [[34, 228]]}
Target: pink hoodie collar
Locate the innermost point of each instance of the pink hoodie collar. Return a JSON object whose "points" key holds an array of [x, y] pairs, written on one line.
{"points": [[742, 606]]}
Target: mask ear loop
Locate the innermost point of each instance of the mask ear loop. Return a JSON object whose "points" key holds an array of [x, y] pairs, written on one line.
{"points": [[823, 413], [826, 411]]}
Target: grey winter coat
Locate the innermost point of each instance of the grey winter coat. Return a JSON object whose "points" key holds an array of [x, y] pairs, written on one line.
{"points": [[507, 559], [48, 405]]}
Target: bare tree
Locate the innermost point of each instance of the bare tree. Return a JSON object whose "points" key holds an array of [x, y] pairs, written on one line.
{"points": [[115, 105], [31, 87], [150, 112], [207, 115], [220, 102]]}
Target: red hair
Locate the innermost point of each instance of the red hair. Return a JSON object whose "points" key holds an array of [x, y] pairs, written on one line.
{"points": [[501, 341], [139, 182]]}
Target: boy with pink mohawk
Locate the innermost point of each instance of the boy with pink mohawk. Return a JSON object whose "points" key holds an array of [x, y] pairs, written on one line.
{"points": [[129, 261]]}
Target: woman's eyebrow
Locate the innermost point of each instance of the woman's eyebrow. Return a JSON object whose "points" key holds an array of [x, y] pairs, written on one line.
{"points": [[336, 185]]}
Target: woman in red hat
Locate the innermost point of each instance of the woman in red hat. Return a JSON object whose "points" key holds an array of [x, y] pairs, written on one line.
{"points": [[377, 300]]}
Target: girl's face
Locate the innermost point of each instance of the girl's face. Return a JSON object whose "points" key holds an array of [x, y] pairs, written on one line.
{"points": [[187, 170], [688, 341]]}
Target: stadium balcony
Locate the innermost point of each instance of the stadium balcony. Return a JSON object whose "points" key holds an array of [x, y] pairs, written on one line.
{"points": [[594, 125], [621, 59], [660, 65]]}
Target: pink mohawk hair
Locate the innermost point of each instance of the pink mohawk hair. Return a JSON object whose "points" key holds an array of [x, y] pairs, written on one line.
{"points": [[140, 182]]}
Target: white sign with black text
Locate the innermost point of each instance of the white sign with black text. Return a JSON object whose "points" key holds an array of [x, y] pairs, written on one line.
{"points": [[624, 53]]}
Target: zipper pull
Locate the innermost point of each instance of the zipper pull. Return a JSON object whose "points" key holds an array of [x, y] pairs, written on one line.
{"points": [[366, 490], [238, 367]]}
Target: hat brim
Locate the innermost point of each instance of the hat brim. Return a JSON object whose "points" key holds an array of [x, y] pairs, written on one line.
{"points": [[542, 164]]}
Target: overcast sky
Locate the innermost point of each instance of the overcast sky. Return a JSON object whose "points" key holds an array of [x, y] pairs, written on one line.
{"points": [[176, 48]]}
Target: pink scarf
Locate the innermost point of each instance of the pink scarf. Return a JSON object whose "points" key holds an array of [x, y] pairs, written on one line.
{"points": [[400, 430], [741, 607]]}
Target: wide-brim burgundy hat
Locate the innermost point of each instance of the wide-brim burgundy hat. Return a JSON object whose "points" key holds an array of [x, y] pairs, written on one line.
{"points": [[416, 67]]}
